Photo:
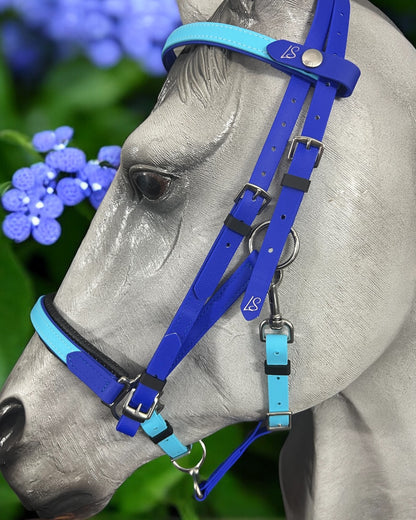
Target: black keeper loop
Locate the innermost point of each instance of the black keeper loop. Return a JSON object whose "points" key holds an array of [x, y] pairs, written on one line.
{"points": [[277, 370], [238, 226], [295, 182], [152, 382], [162, 435]]}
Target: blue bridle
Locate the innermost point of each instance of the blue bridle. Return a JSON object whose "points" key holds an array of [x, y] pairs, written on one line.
{"points": [[318, 63]]}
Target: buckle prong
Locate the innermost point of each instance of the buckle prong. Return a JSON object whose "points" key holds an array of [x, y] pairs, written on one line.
{"points": [[125, 396], [257, 192], [308, 142], [135, 413], [279, 427]]}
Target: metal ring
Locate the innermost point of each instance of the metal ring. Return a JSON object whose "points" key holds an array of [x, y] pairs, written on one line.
{"points": [[197, 466], [295, 237]]}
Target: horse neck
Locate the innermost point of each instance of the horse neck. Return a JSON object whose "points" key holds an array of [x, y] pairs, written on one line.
{"points": [[359, 461]]}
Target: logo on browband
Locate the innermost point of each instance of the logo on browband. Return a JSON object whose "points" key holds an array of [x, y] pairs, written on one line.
{"points": [[290, 52], [253, 304]]}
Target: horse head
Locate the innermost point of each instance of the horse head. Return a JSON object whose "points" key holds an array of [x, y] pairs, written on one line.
{"points": [[349, 293]]}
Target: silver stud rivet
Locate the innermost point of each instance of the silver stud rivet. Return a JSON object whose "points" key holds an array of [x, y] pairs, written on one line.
{"points": [[312, 58]]}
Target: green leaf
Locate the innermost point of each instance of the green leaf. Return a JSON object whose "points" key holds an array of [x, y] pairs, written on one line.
{"points": [[7, 101], [147, 488], [4, 187], [11, 508], [16, 299], [18, 139], [79, 86]]}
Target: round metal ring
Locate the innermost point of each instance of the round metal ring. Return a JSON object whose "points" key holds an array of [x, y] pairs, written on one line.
{"points": [[197, 466], [295, 237]]}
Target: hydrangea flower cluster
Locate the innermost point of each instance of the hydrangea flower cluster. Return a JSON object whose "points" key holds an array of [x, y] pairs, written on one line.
{"points": [[40, 192], [104, 29]]}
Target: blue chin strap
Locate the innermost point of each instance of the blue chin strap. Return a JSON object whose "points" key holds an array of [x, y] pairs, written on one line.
{"points": [[319, 66]]}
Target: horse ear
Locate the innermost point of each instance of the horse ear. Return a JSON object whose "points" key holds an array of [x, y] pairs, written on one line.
{"points": [[197, 10]]}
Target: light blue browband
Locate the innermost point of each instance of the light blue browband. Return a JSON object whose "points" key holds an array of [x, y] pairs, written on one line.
{"points": [[281, 54], [318, 63]]}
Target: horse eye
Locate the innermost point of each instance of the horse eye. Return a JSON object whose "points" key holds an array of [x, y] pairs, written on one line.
{"points": [[150, 184]]}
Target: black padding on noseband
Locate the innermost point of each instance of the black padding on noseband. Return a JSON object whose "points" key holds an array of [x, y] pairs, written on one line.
{"points": [[73, 335], [152, 382], [162, 435], [277, 370], [238, 226], [298, 183]]}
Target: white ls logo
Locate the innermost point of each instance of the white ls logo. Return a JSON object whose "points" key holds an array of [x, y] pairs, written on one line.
{"points": [[290, 52], [253, 304]]}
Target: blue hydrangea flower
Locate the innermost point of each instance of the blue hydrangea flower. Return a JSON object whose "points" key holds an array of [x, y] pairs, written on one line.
{"points": [[104, 30], [40, 192], [52, 139]]}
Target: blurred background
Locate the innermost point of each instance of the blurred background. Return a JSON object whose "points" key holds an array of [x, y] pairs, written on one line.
{"points": [[98, 70]]}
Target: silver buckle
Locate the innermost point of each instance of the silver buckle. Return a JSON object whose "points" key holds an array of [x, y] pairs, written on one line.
{"points": [[257, 192], [135, 413], [279, 427], [125, 396], [128, 383], [308, 141]]}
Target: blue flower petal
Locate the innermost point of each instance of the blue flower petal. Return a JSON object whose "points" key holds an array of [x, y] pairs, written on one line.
{"points": [[68, 160], [17, 226], [47, 231], [23, 179], [44, 141]]}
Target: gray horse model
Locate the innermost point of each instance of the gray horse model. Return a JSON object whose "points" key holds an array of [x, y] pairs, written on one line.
{"points": [[350, 294]]}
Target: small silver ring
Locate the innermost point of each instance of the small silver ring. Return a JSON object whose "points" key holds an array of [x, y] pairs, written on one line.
{"points": [[295, 237], [194, 469]]}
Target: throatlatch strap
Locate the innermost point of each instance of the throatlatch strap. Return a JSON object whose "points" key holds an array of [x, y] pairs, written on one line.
{"points": [[279, 416]]}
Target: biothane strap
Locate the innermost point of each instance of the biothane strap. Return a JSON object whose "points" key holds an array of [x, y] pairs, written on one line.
{"points": [[245, 209], [280, 54], [277, 368], [103, 375], [302, 165]]}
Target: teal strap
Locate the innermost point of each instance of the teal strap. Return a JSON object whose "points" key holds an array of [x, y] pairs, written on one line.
{"points": [[279, 416], [223, 35], [63, 348], [50, 335], [171, 445]]}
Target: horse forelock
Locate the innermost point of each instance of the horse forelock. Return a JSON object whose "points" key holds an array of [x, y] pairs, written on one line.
{"points": [[202, 69]]}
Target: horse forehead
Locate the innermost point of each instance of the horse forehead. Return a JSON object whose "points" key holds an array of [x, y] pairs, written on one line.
{"points": [[183, 134]]}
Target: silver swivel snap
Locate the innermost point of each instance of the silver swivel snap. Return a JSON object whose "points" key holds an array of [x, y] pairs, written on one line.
{"points": [[276, 322], [194, 470]]}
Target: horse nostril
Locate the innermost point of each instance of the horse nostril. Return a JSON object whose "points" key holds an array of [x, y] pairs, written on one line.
{"points": [[12, 422]]}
